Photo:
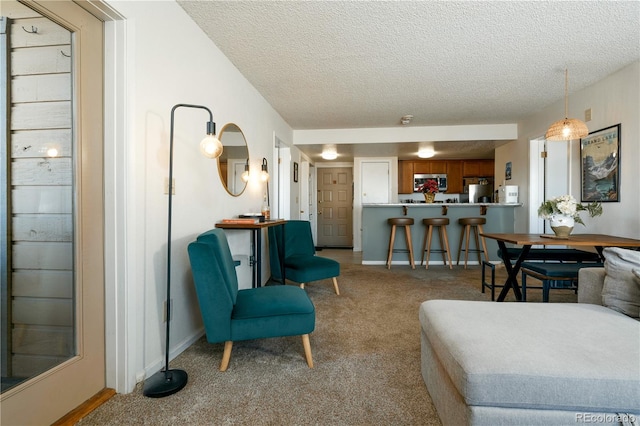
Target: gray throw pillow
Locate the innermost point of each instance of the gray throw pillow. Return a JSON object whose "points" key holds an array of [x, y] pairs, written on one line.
{"points": [[621, 290]]}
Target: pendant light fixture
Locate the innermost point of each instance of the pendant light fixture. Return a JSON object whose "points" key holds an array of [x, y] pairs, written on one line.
{"points": [[569, 128]]}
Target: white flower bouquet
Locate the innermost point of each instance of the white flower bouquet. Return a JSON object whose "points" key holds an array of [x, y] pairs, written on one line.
{"points": [[568, 206]]}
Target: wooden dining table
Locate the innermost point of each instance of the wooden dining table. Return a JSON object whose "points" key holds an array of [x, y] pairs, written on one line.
{"points": [[526, 241]]}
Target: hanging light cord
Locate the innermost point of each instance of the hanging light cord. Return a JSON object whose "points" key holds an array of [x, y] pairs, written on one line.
{"points": [[566, 93]]}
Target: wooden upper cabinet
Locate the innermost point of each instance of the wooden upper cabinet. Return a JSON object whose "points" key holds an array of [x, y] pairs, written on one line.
{"points": [[455, 170], [438, 167], [420, 167], [405, 177], [477, 168], [430, 167], [487, 168], [454, 177]]}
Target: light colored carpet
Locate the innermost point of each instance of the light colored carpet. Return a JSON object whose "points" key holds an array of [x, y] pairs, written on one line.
{"points": [[366, 350]]}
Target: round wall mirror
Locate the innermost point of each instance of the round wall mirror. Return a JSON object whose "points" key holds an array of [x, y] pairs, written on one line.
{"points": [[233, 159]]}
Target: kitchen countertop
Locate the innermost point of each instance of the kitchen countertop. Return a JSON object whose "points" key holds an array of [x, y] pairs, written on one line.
{"points": [[500, 218]]}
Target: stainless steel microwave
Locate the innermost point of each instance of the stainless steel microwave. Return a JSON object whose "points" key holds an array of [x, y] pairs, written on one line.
{"points": [[419, 179]]}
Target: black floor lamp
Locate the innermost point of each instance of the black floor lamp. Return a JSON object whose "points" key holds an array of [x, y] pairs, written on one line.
{"points": [[167, 382]]}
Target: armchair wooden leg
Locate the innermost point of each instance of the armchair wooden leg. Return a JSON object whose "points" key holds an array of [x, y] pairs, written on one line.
{"points": [[226, 355], [335, 286], [307, 350]]}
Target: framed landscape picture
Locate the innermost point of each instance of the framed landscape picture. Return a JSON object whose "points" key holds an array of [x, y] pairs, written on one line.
{"points": [[600, 165]]}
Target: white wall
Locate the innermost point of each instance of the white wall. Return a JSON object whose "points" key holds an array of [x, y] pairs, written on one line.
{"points": [[169, 60], [613, 100]]}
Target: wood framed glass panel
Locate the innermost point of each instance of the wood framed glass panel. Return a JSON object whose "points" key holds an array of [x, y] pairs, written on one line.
{"points": [[53, 210], [39, 285]]}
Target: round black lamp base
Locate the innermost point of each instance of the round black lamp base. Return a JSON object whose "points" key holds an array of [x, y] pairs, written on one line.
{"points": [[164, 383]]}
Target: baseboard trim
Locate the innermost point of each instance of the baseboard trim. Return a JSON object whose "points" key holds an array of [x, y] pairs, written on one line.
{"points": [[77, 414]]}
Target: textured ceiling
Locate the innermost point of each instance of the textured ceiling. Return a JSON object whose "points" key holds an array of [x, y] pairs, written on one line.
{"points": [[358, 64]]}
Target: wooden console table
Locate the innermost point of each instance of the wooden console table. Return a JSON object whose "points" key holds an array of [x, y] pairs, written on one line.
{"points": [[599, 241], [255, 259]]}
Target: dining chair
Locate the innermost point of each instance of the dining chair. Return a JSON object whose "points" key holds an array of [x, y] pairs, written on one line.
{"points": [[232, 315], [301, 265]]}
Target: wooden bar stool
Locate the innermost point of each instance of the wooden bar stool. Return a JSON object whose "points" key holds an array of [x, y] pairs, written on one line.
{"points": [[406, 222], [469, 223], [441, 225]]}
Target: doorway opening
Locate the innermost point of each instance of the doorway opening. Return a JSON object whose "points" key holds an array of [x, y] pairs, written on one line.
{"points": [[549, 176]]}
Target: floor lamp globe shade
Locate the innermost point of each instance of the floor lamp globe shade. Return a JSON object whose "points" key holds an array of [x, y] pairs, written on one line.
{"points": [[211, 147], [165, 383], [567, 130]]}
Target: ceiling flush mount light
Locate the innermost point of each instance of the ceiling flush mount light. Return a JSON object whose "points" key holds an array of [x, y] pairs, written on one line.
{"points": [[569, 128], [426, 153], [406, 119], [329, 152]]}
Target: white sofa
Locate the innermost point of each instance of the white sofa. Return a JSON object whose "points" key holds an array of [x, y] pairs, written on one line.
{"points": [[487, 363]]}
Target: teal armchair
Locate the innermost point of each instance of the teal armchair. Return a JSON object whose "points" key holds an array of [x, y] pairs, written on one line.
{"points": [[300, 261], [231, 315]]}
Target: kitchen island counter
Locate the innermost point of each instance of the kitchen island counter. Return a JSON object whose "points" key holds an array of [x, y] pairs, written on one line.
{"points": [[375, 230]]}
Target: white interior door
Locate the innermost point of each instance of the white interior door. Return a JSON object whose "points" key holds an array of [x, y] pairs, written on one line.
{"points": [[304, 179], [375, 182]]}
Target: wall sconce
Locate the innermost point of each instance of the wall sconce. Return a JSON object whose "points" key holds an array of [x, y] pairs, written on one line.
{"points": [[167, 382], [569, 128], [264, 176], [264, 173], [329, 152], [245, 175]]}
